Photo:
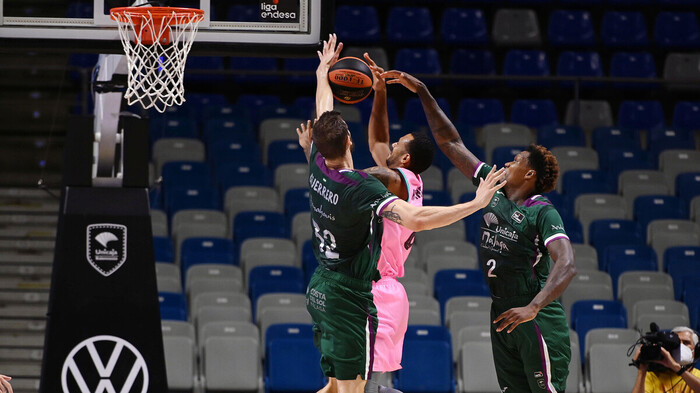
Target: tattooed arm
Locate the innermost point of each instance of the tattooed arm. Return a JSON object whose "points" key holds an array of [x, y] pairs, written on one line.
{"points": [[391, 179], [444, 132], [421, 218]]}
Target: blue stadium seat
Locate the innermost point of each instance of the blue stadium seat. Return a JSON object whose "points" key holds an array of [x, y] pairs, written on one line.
{"points": [[251, 173], [419, 61], [249, 224], [472, 62], [574, 228], [296, 200], [307, 104], [609, 232], [201, 197], [436, 198], [560, 135], [526, 63], [681, 262], [661, 139], [243, 13], [657, 207], [276, 111], [641, 115], [632, 65], [593, 314], [476, 112], [413, 110], [686, 115], [308, 261], [223, 127], [621, 258], [163, 127], [205, 63], [196, 250], [534, 113], [173, 306], [458, 282], [691, 296], [557, 200], [624, 29], [620, 160], [580, 64], [427, 361], [357, 24], [199, 101], [155, 198], [687, 187], [464, 26], [306, 64], [271, 279], [410, 25], [185, 174], [571, 28], [252, 64], [163, 249], [584, 181], [291, 360], [677, 30], [607, 138], [503, 154], [365, 107], [253, 102], [232, 149], [285, 151]]}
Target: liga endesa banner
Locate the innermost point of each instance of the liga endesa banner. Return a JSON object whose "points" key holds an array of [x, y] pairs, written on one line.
{"points": [[103, 329], [279, 11]]}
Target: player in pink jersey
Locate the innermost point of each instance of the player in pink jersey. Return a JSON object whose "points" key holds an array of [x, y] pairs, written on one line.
{"points": [[399, 166]]}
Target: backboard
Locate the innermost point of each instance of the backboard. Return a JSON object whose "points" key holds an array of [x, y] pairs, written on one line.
{"points": [[272, 27]]}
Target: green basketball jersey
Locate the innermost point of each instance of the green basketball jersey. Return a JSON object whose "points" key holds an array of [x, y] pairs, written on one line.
{"points": [[346, 207], [513, 242]]}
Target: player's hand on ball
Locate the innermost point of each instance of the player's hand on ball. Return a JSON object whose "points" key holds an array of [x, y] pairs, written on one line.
{"points": [[378, 83], [493, 182], [408, 81]]}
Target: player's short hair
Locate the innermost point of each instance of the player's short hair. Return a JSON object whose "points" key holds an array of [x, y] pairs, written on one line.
{"points": [[422, 152], [329, 134], [546, 166]]}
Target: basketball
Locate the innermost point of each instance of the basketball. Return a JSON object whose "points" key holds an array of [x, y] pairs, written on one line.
{"points": [[350, 79]]}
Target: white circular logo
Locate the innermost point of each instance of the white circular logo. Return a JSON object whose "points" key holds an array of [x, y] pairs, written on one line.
{"points": [[100, 363]]}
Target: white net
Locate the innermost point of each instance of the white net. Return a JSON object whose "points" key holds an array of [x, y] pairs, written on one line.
{"points": [[156, 41]]}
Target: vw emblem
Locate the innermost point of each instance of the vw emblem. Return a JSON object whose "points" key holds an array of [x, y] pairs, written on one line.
{"points": [[104, 364]]}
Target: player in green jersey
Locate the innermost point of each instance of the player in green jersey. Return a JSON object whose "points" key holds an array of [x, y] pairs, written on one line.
{"points": [[521, 232], [347, 209]]}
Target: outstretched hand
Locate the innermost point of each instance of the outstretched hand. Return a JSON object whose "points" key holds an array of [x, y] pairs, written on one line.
{"points": [[378, 83], [488, 186], [5, 386], [304, 134], [408, 81], [329, 54]]}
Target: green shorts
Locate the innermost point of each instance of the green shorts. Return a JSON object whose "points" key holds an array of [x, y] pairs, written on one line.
{"points": [[345, 323], [535, 356]]}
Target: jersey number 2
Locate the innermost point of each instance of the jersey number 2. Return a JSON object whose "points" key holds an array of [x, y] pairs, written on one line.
{"points": [[492, 264], [326, 241]]}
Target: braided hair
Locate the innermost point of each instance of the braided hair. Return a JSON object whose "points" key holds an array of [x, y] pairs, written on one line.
{"points": [[546, 166]]}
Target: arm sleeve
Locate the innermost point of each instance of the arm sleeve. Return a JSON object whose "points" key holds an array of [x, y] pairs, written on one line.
{"points": [[550, 225], [482, 170]]}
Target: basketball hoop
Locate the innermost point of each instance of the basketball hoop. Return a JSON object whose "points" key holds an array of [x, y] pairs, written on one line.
{"points": [[156, 41]]}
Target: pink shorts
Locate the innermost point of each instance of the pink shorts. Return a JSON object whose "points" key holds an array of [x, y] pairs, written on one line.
{"points": [[392, 311]]}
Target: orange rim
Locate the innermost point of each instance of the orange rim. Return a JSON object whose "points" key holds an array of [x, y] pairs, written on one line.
{"points": [[156, 12]]}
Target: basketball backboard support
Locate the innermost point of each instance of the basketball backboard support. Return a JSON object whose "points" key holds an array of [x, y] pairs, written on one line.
{"points": [[261, 27]]}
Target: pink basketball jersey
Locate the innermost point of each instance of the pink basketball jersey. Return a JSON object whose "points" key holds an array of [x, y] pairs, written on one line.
{"points": [[397, 240]]}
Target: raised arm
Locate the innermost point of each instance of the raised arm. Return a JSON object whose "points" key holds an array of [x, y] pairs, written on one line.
{"points": [[327, 57], [378, 129], [304, 134], [421, 218], [444, 132]]}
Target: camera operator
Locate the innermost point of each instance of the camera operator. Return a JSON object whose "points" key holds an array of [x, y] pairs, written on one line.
{"points": [[676, 376]]}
